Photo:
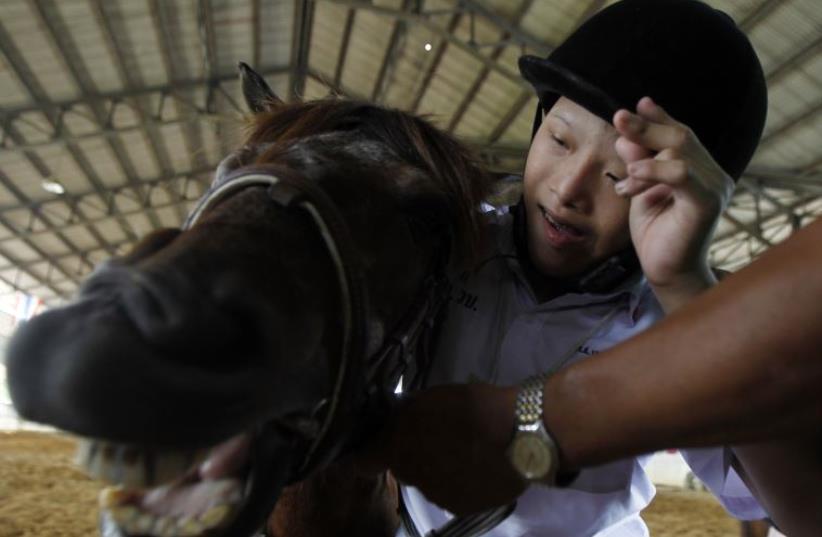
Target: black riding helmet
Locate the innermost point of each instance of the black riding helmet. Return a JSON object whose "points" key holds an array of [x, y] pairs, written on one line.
{"points": [[687, 56]]}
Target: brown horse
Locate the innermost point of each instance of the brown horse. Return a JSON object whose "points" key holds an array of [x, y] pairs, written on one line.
{"points": [[213, 365]]}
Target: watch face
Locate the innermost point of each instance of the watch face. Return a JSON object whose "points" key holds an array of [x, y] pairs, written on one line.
{"points": [[531, 457]]}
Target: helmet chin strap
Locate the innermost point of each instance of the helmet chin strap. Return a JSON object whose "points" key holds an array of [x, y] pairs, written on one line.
{"points": [[603, 278]]}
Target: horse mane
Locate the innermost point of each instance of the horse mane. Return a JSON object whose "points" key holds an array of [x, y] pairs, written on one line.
{"points": [[414, 141]]}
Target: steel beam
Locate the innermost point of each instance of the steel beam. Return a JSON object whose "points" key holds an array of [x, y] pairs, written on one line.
{"points": [[192, 135], [510, 116], [343, 54], [747, 228], [435, 63], [75, 221], [19, 265], [510, 30], [131, 79], [768, 217], [759, 14], [337, 90], [6, 182], [801, 56], [61, 257], [48, 15], [208, 37], [74, 198], [256, 19], [593, 7], [45, 172], [797, 120], [46, 106], [422, 19], [29, 81], [390, 57], [303, 24]]}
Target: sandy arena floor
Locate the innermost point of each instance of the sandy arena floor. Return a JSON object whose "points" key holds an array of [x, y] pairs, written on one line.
{"points": [[43, 495]]}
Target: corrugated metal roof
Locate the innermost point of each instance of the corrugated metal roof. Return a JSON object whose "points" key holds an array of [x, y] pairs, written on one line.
{"points": [[129, 104]]}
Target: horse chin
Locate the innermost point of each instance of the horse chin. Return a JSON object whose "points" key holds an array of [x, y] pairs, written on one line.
{"points": [[228, 490]]}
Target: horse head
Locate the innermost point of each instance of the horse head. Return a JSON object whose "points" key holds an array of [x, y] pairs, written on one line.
{"points": [[214, 364]]}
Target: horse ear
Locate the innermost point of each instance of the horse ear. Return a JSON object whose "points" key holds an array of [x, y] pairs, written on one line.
{"points": [[258, 95]]}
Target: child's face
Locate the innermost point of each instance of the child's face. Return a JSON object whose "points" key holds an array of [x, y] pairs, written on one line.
{"points": [[575, 218]]}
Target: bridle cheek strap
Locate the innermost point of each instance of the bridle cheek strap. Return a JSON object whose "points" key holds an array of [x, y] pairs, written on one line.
{"points": [[303, 194]]}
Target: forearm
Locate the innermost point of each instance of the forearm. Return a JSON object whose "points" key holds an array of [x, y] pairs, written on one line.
{"points": [[740, 363], [685, 289], [785, 477], [743, 362]]}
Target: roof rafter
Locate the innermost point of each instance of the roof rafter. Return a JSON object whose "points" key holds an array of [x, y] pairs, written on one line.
{"points": [[27, 78], [192, 133], [435, 63], [391, 52], [108, 194], [42, 103], [303, 24], [130, 79], [49, 16], [256, 19], [512, 30], [343, 54], [423, 20], [759, 14], [497, 52]]}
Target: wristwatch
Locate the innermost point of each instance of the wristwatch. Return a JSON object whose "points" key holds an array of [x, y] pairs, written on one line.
{"points": [[532, 451]]}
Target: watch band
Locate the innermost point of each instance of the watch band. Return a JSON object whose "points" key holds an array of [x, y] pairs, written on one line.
{"points": [[528, 410], [531, 440]]}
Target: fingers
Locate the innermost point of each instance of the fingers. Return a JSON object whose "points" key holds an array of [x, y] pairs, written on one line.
{"points": [[671, 172], [647, 108], [629, 151], [651, 128], [643, 174]]}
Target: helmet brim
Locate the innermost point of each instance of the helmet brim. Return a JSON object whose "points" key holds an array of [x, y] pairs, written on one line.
{"points": [[550, 81]]}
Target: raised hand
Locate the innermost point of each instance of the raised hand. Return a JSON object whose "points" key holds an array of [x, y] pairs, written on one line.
{"points": [[677, 194]]}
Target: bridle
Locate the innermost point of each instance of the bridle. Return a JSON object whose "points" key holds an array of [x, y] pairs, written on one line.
{"points": [[361, 372], [405, 353]]}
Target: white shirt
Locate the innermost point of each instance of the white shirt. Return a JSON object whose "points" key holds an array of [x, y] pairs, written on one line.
{"points": [[495, 331]]}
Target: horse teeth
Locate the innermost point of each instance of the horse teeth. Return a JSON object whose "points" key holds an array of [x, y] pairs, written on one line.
{"points": [[124, 514], [190, 528], [84, 452], [132, 520], [112, 497], [134, 467], [214, 516], [143, 524], [165, 527]]}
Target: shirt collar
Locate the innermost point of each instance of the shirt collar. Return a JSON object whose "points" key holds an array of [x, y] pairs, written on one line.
{"points": [[633, 289]]}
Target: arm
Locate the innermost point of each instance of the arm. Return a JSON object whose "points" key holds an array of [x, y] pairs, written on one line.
{"points": [[741, 363]]}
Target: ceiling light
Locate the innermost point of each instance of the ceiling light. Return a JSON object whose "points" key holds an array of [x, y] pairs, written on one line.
{"points": [[428, 47], [52, 186]]}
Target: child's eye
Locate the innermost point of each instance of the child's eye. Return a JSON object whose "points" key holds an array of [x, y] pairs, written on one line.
{"points": [[613, 177], [559, 141]]}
